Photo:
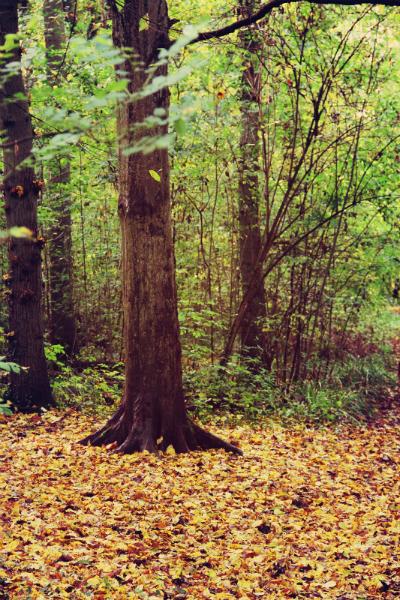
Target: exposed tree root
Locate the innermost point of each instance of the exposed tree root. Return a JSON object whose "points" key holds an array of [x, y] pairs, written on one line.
{"points": [[126, 436], [207, 441]]}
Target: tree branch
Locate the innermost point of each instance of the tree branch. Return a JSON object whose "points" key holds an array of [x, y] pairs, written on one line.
{"points": [[267, 8]]}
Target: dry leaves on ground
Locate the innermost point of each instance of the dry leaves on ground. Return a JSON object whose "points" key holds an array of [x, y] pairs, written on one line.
{"points": [[306, 513]]}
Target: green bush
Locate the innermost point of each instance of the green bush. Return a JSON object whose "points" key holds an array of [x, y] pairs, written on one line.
{"points": [[93, 390], [8, 367], [239, 389], [236, 388], [371, 376], [316, 402]]}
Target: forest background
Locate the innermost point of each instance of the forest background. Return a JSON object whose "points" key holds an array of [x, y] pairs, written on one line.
{"points": [[284, 145]]}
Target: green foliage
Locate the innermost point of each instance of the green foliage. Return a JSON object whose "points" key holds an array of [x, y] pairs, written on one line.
{"points": [[321, 403], [357, 386], [55, 355], [233, 389], [371, 377], [333, 285], [8, 367], [353, 391], [86, 385], [5, 408], [17, 232], [92, 390]]}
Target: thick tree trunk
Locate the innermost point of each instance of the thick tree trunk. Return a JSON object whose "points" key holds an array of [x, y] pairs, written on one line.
{"points": [[152, 415], [253, 340], [30, 390], [62, 317]]}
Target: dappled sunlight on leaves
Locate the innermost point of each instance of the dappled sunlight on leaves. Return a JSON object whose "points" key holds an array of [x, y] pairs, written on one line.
{"points": [[306, 513]]}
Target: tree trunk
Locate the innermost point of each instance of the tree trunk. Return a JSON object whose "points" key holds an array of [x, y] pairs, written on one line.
{"points": [[253, 340], [30, 390], [62, 317], [152, 415]]}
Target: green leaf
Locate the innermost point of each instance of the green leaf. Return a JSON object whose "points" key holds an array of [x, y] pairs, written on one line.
{"points": [[156, 176], [180, 127], [144, 23], [17, 232], [21, 232], [10, 367], [5, 410]]}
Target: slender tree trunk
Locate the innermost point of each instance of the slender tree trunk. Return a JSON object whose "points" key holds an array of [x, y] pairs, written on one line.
{"points": [[30, 390], [152, 415], [62, 316], [253, 339]]}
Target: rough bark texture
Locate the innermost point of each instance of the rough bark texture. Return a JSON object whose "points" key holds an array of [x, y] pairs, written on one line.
{"points": [[152, 415], [253, 342], [62, 317], [31, 390]]}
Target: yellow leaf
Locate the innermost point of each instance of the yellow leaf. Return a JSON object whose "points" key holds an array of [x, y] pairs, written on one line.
{"points": [[376, 581], [12, 546], [156, 176], [105, 566], [245, 584], [329, 584], [94, 581]]}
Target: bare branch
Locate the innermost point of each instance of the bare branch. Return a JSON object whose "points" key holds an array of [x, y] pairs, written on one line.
{"points": [[266, 9]]}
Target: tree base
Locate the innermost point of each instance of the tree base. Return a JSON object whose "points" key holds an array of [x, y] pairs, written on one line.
{"points": [[126, 436]]}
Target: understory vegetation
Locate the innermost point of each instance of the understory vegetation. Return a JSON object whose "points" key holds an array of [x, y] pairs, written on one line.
{"points": [[315, 85], [361, 380], [357, 386], [356, 389]]}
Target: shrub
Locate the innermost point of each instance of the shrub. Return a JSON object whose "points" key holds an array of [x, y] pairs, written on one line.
{"points": [[235, 388], [351, 392]]}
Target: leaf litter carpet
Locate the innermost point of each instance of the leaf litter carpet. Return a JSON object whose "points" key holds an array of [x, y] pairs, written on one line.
{"points": [[305, 513]]}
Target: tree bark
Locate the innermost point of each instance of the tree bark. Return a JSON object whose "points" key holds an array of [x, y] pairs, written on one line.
{"points": [[62, 316], [253, 339], [31, 390], [152, 415]]}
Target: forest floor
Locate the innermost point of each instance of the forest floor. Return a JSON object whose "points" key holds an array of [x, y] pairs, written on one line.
{"points": [[305, 513]]}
